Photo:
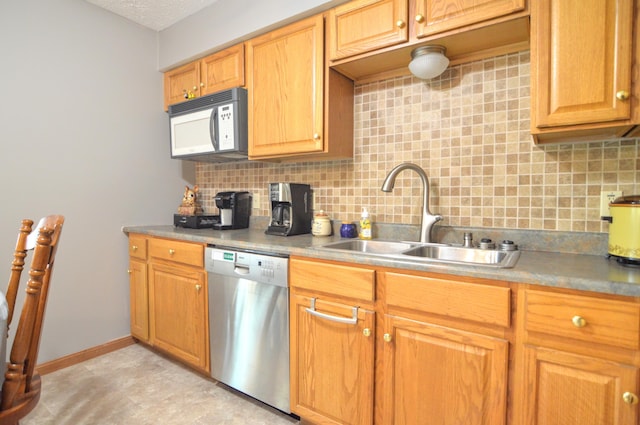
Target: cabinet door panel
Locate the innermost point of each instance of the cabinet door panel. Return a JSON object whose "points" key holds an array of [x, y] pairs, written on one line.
{"points": [[437, 372], [285, 86], [331, 363], [569, 389], [139, 299], [581, 58], [365, 25], [223, 70], [179, 82], [178, 302], [443, 15]]}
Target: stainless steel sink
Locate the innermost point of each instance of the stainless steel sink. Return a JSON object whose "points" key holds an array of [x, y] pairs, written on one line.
{"points": [[371, 247], [428, 252], [488, 257]]}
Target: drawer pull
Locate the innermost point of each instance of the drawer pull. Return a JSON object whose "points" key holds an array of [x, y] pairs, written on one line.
{"points": [[366, 332], [354, 314], [134, 247], [172, 251], [386, 337], [579, 322], [629, 398], [129, 271]]}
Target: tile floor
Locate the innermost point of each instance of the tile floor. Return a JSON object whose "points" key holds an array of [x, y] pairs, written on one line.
{"points": [[135, 386]]}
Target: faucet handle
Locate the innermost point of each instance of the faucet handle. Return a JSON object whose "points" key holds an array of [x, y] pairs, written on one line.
{"points": [[468, 240]]}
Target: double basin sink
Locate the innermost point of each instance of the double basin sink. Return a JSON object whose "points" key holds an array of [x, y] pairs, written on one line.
{"points": [[427, 252]]}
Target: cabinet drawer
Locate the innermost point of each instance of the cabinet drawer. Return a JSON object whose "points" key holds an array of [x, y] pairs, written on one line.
{"points": [[138, 246], [181, 252], [583, 318], [460, 300], [336, 279]]}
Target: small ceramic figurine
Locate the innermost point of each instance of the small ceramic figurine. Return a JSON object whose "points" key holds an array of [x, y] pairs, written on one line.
{"points": [[190, 204]]}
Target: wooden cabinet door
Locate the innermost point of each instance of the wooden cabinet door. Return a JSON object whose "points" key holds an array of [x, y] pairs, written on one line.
{"points": [[569, 389], [223, 70], [581, 56], [365, 25], [178, 312], [285, 71], [431, 371], [435, 16], [139, 299], [181, 83], [331, 363]]}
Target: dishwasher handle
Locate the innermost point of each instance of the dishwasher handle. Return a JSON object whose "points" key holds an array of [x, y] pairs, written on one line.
{"points": [[354, 314]]}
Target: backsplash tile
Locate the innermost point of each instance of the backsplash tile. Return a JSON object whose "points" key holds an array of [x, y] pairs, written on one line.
{"points": [[469, 130]]}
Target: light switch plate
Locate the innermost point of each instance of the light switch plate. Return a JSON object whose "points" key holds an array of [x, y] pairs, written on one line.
{"points": [[257, 200], [607, 196]]}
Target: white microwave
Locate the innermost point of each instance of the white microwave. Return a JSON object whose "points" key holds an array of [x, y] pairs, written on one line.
{"points": [[210, 128]]}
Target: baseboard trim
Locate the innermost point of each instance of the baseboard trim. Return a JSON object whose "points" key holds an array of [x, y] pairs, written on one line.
{"points": [[81, 356]]}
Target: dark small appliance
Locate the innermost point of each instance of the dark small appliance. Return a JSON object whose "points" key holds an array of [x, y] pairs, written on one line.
{"points": [[235, 209], [200, 221], [290, 209]]}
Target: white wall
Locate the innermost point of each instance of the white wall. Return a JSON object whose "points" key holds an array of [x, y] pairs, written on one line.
{"points": [[83, 134], [228, 21]]}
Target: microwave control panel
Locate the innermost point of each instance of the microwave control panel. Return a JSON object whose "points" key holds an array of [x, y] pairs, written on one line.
{"points": [[226, 128]]}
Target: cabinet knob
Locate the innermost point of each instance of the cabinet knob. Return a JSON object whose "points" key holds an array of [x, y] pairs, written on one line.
{"points": [[201, 84], [579, 322], [195, 88], [386, 337], [366, 332], [316, 136], [172, 251], [400, 23], [622, 95], [629, 398], [129, 271], [134, 248], [419, 18], [198, 287]]}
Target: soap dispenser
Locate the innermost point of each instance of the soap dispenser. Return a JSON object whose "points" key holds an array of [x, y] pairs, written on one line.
{"points": [[365, 225]]}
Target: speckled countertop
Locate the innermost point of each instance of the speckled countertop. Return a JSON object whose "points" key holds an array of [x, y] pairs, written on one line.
{"points": [[588, 272]]}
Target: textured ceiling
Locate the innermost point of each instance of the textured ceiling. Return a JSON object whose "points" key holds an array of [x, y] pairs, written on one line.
{"points": [[154, 14]]}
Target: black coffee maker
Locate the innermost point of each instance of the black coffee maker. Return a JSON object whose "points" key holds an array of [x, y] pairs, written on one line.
{"points": [[235, 209], [290, 209]]}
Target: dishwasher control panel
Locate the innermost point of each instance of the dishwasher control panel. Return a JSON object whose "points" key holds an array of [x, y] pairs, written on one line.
{"points": [[260, 267]]}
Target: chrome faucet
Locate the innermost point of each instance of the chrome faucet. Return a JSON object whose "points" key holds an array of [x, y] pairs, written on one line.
{"points": [[428, 219]]}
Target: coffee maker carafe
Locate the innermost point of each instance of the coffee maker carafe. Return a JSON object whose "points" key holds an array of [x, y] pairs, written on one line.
{"points": [[235, 209], [290, 209]]}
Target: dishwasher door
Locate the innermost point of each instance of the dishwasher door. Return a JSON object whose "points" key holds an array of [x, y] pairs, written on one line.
{"points": [[249, 323]]}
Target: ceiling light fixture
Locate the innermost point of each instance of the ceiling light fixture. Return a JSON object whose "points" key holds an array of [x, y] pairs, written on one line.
{"points": [[428, 61]]}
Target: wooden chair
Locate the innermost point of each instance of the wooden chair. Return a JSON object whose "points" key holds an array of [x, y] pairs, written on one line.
{"points": [[21, 387]]}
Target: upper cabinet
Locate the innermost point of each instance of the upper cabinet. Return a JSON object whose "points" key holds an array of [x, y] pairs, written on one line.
{"points": [[582, 85], [298, 108], [219, 71], [365, 25], [370, 37]]}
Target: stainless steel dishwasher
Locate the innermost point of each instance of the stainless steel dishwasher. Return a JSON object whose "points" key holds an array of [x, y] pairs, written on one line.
{"points": [[249, 323]]}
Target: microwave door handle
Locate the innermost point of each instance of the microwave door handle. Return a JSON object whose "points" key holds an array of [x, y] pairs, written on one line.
{"points": [[213, 129]]}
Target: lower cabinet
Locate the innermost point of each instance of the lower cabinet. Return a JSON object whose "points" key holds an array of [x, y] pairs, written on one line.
{"points": [[332, 330], [372, 346], [440, 372], [178, 313], [570, 389], [168, 297], [332, 364], [445, 352], [578, 360]]}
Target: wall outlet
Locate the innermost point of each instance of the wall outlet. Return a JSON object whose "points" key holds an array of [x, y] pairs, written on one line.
{"points": [[607, 196], [257, 201]]}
